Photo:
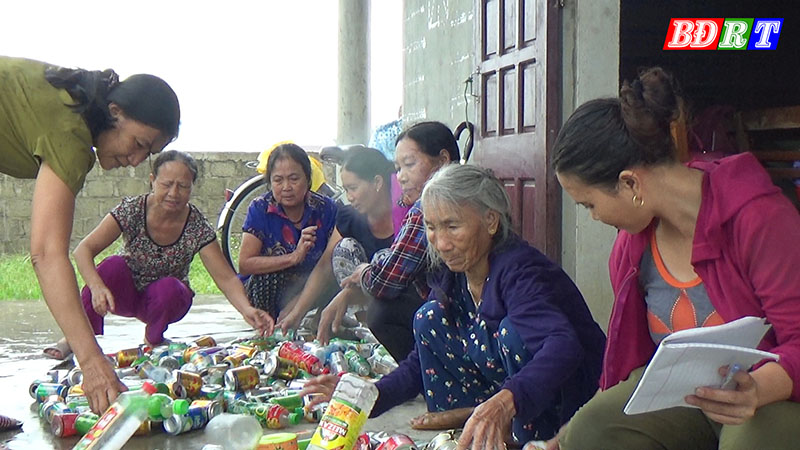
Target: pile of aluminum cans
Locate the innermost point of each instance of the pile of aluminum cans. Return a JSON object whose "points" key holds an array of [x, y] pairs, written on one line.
{"points": [[199, 379]]}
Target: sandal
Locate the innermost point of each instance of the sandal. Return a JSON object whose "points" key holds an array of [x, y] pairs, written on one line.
{"points": [[60, 350], [444, 420], [7, 423]]}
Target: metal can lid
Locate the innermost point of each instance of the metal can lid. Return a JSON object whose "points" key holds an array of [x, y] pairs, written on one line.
{"points": [[270, 364], [174, 425], [230, 380], [214, 409]]}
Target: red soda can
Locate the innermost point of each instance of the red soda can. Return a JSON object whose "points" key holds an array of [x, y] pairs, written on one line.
{"points": [[397, 442], [362, 443], [127, 357], [241, 378], [192, 382], [63, 424], [305, 361]]}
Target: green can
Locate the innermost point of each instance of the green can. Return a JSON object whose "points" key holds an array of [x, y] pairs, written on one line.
{"points": [[85, 422], [288, 401]]}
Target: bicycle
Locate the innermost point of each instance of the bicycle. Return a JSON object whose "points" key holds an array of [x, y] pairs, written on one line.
{"points": [[234, 211]]}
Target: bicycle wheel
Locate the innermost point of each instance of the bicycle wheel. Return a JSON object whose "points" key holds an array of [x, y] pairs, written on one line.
{"points": [[231, 230]]}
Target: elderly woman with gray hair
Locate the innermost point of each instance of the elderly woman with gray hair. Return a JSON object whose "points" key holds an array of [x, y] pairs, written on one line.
{"points": [[506, 342]]}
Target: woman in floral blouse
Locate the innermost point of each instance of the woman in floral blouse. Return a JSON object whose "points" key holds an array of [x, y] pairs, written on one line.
{"points": [[285, 232], [149, 280]]}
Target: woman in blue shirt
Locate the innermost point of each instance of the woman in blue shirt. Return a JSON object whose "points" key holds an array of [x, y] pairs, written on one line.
{"points": [[285, 232]]}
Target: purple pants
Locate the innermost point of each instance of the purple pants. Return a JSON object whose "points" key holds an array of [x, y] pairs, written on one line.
{"points": [[161, 303]]}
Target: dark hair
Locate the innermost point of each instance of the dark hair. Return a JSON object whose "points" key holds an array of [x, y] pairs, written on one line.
{"points": [[432, 137], [175, 155], [603, 137], [144, 98], [294, 152], [368, 162]]}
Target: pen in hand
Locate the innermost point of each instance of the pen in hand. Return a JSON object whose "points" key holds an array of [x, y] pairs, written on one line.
{"points": [[728, 382]]}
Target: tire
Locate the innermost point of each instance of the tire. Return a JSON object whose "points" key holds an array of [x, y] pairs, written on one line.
{"points": [[231, 230]]}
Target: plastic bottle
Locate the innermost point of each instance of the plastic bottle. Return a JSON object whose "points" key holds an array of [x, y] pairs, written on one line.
{"points": [[358, 364], [159, 407], [347, 412], [234, 431], [279, 417], [119, 422]]}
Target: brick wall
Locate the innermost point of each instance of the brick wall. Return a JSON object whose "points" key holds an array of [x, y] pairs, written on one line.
{"points": [[104, 189]]}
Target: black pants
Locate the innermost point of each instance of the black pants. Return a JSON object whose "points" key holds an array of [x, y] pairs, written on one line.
{"points": [[391, 322]]}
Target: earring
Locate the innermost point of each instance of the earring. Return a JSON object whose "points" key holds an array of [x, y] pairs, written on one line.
{"points": [[637, 201], [492, 231]]}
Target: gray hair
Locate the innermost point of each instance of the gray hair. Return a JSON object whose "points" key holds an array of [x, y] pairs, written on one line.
{"points": [[456, 186]]}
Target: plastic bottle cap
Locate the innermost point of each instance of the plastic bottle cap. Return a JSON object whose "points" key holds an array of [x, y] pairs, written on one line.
{"points": [[180, 406], [295, 418], [149, 388]]}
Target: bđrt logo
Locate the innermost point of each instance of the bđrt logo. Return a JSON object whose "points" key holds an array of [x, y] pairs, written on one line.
{"points": [[723, 34]]}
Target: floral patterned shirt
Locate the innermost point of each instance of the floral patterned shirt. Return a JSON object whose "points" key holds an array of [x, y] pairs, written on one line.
{"points": [[150, 261], [267, 221]]}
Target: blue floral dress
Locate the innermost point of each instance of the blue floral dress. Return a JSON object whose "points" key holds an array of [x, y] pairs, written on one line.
{"points": [[267, 221]]}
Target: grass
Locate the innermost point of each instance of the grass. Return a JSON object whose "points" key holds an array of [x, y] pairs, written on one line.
{"points": [[18, 280]]}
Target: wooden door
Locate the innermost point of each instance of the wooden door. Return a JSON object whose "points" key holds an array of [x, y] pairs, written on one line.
{"points": [[519, 55]]}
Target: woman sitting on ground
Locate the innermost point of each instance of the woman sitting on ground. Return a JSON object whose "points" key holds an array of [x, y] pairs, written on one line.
{"points": [[394, 285], [506, 342], [285, 232], [698, 244], [363, 228], [149, 280]]}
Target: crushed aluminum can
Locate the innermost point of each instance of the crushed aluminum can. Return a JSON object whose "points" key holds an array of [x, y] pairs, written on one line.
{"points": [[397, 442], [442, 441]]}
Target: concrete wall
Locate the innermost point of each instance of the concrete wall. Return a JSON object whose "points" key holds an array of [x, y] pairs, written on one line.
{"points": [[104, 189], [439, 52], [591, 70], [439, 41]]}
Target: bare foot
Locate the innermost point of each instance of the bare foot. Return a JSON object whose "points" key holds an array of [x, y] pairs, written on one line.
{"points": [[444, 420], [59, 350]]}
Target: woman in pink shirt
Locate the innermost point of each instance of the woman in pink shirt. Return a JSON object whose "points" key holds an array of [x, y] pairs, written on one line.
{"points": [[699, 244]]}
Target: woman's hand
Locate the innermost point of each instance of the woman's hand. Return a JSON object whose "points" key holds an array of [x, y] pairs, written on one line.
{"points": [[728, 407], [308, 236], [354, 280], [321, 388], [553, 444], [100, 383], [102, 299], [289, 320], [489, 424], [259, 319], [331, 317]]}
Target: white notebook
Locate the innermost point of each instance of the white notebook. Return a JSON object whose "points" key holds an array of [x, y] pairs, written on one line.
{"points": [[691, 358]]}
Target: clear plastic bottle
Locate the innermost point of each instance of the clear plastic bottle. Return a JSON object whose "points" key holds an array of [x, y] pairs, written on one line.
{"points": [[234, 431], [347, 412], [119, 422]]}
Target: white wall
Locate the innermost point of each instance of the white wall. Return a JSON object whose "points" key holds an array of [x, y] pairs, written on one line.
{"points": [[591, 70]]}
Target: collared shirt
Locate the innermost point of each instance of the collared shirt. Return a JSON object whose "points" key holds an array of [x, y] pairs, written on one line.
{"points": [[405, 265], [267, 221]]}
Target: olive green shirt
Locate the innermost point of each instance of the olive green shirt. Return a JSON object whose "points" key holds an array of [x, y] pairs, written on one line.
{"points": [[36, 125]]}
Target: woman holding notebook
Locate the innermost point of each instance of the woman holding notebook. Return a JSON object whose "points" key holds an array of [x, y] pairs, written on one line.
{"points": [[699, 244]]}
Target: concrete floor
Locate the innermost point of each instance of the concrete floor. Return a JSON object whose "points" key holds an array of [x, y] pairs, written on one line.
{"points": [[27, 327]]}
